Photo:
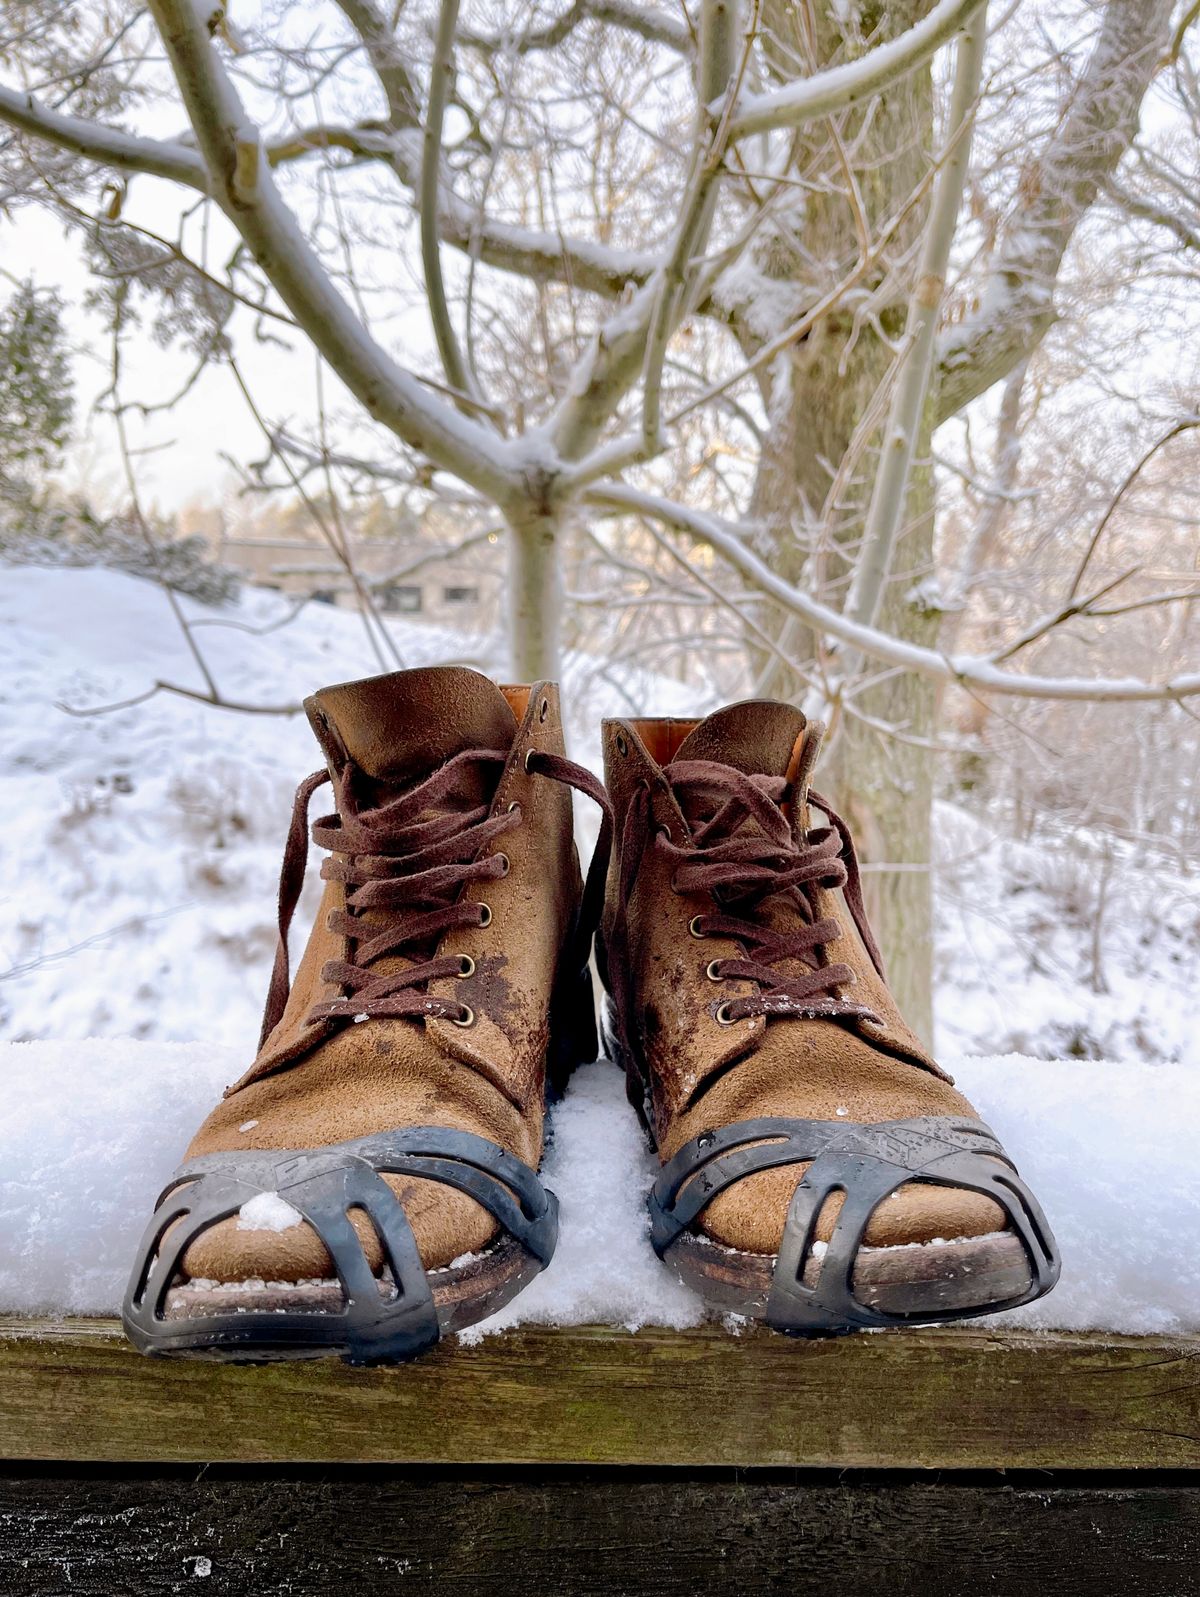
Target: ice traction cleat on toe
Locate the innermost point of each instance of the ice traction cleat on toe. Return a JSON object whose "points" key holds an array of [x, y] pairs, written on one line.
{"points": [[866, 1163], [393, 1316]]}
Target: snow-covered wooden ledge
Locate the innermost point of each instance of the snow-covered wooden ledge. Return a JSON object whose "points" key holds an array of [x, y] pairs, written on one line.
{"points": [[955, 1399], [1110, 1150]]}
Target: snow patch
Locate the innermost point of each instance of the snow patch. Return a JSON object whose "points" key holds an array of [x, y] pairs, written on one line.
{"points": [[268, 1212], [91, 1131], [604, 1270]]}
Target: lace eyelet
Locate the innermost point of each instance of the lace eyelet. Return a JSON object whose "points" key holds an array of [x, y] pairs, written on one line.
{"points": [[723, 1017], [467, 1018], [622, 745], [466, 966], [515, 805], [713, 970], [505, 862], [529, 754], [485, 914], [543, 709], [694, 926]]}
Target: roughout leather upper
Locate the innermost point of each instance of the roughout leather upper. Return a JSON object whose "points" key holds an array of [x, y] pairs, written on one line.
{"points": [[703, 1074], [311, 1085]]}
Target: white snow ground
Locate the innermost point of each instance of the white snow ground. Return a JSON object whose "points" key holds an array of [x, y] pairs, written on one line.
{"points": [[98, 1127], [138, 879]]}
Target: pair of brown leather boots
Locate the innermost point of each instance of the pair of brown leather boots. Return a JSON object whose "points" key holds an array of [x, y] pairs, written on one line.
{"points": [[370, 1182]]}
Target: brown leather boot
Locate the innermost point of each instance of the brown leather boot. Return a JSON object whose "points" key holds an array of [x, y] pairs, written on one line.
{"points": [[370, 1181], [819, 1171]]}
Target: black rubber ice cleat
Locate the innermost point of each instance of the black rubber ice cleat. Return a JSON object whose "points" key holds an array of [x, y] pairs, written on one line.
{"points": [[382, 1319], [866, 1163]]}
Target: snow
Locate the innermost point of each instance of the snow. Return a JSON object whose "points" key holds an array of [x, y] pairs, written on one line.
{"points": [[93, 1130], [89, 1135], [1035, 956], [604, 1270], [767, 305], [1110, 1150], [268, 1212]]}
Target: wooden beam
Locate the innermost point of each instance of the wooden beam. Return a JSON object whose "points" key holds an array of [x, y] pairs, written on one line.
{"points": [[606, 1533], [952, 1399]]}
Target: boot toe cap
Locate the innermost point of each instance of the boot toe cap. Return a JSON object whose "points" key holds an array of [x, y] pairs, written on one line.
{"points": [[446, 1224], [750, 1215]]}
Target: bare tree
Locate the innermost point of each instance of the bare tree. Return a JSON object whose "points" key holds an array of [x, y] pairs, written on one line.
{"points": [[608, 189]]}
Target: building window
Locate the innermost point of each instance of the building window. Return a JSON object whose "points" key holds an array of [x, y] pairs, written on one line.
{"points": [[455, 595], [399, 598]]}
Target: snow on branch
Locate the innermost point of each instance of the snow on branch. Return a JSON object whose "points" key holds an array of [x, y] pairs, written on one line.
{"points": [[836, 88], [978, 672], [1079, 158], [647, 22], [889, 491], [106, 145]]}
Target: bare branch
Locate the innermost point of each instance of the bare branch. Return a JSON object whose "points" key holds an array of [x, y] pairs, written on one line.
{"points": [[839, 87], [242, 183], [108, 146], [656, 27], [976, 672], [889, 493], [1017, 306], [440, 80], [1187, 424], [618, 354]]}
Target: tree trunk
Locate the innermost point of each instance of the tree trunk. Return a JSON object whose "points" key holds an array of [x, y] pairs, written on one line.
{"points": [[535, 599], [817, 400]]}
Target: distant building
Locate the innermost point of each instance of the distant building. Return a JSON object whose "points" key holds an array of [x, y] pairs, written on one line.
{"points": [[406, 575]]}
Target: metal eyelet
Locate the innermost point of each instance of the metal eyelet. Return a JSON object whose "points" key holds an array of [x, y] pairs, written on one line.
{"points": [[515, 805], [713, 970], [694, 926], [723, 1017], [485, 914], [466, 965], [529, 754], [505, 861], [543, 709], [622, 745], [467, 1018]]}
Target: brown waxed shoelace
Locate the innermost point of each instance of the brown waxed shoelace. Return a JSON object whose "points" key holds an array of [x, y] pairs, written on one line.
{"points": [[743, 853], [410, 856]]}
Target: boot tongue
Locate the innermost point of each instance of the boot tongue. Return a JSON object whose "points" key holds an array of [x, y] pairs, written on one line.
{"points": [[756, 737], [399, 728]]}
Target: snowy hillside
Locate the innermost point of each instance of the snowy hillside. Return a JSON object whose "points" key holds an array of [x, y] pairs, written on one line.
{"points": [[141, 853], [1080, 947], [141, 858]]}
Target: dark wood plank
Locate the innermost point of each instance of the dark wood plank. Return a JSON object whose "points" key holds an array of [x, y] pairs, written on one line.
{"points": [[941, 1399], [605, 1535]]}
